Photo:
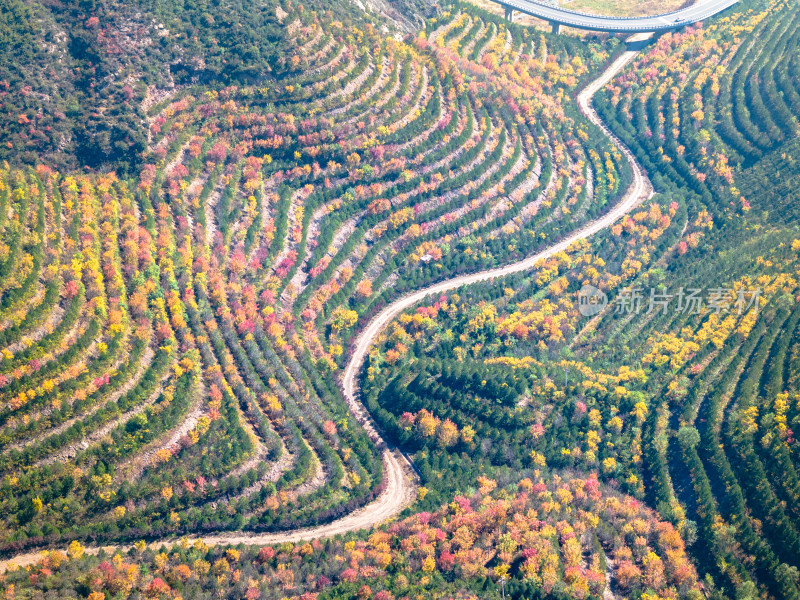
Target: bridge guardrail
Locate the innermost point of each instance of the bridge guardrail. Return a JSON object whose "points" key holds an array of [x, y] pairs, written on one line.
{"points": [[608, 23]]}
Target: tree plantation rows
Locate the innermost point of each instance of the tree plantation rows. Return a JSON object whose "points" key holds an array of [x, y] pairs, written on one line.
{"points": [[555, 540], [693, 411], [171, 343], [179, 335]]}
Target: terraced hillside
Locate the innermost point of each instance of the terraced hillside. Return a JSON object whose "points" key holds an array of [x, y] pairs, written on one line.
{"points": [[455, 551], [690, 407], [170, 344], [711, 100], [482, 388], [726, 140], [182, 351]]}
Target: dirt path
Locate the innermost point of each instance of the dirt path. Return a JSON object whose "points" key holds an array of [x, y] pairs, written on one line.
{"points": [[640, 189], [73, 449], [132, 469], [400, 486], [385, 506], [144, 363], [35, 336]]}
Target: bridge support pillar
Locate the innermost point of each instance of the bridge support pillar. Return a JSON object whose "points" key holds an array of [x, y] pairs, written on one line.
{"points": [[555, 27], [509, 13]]}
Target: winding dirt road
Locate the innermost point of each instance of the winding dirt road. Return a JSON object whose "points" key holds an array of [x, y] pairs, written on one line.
{"points": [[400, 487]]}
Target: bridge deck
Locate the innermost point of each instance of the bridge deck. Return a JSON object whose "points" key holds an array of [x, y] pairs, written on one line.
{"points": [[557, 15]]}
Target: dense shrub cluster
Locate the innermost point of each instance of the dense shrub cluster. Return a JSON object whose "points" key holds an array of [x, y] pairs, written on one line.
{"points": [[560, 539]]}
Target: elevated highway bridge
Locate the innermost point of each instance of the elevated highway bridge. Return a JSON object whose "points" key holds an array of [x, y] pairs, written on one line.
{"points": [[558, 16]]}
